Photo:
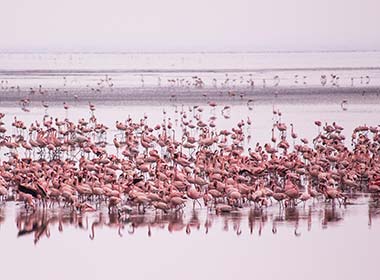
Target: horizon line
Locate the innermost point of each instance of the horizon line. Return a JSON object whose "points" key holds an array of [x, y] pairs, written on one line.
{"points": [[180, 52]]}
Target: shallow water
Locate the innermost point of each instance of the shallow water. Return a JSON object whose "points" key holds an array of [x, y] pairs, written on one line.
{"points": [[217, 70], [318, 241], [358, 111]]}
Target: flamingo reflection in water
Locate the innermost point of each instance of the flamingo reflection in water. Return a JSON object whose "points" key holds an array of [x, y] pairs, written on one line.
{"points": [[44, 222], [37, 224]]}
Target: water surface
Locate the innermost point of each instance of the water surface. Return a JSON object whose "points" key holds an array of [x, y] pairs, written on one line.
{"points": [[318, 241]]}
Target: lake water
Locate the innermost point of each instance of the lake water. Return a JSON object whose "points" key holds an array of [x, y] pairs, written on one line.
{"points": [[217, 70], [318, 241]]}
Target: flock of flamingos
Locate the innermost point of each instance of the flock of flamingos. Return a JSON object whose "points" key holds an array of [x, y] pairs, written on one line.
{"points": [[66, 163]]}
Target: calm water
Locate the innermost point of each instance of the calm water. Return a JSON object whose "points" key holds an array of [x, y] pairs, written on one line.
{"points": [[318, 241], [358, 111], [321, 241], [217, 70]]}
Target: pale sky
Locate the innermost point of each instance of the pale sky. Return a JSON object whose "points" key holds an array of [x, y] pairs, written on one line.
{"points": [[196, 25]]}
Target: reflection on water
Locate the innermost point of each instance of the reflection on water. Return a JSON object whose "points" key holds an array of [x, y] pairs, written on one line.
{"points": [[39, 224], [373, 213]]}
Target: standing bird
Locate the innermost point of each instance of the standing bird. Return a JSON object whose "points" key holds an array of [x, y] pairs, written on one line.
{"points": [[323, 80]]}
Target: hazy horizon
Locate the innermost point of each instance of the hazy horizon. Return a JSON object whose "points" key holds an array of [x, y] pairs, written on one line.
{"points": [[52, 51], [169, 26]]}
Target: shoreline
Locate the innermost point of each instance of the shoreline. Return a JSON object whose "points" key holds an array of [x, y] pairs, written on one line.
{"points": [[153, 95]]}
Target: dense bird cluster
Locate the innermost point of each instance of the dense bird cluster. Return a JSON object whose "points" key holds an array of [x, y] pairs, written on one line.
{"points": [[59, 162]]}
